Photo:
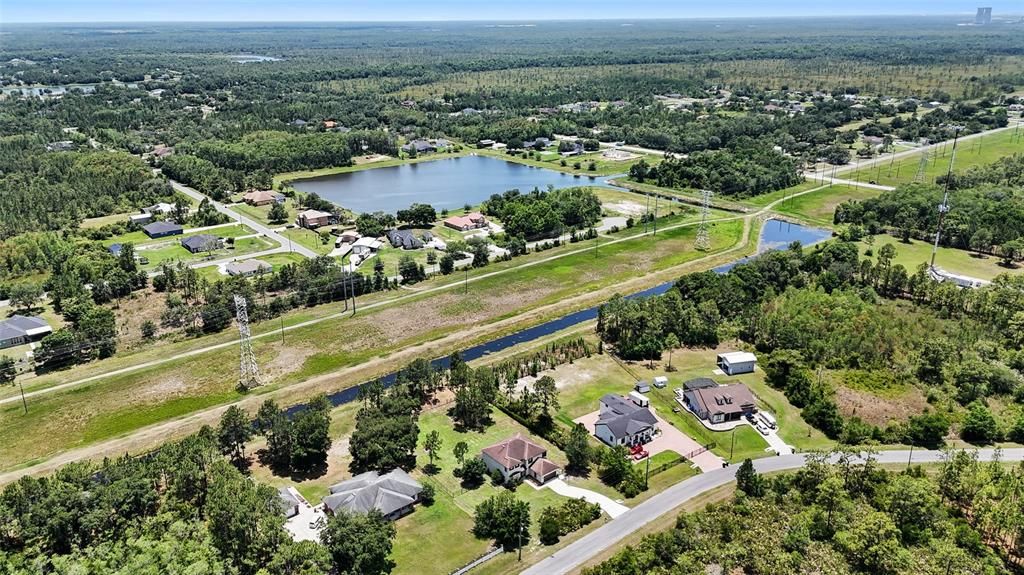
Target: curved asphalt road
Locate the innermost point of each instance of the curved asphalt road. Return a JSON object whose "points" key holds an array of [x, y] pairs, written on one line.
{"points": [[573, 556]]}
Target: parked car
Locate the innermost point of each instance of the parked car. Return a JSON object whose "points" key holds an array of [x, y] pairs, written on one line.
{"points": [[768, 420]]}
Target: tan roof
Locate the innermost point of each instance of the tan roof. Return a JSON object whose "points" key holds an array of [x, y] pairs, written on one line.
{"points": [[543, 467], [260, 196], [467, 220], [725, 398], [513, 451]]}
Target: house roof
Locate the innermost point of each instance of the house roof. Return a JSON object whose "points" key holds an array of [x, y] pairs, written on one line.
{"points": [[199, 241], [23, 326], [368, 242], [699, 383], [286, 498], [470, 219], [247, 267], [543, 466], [262, 196], [737, 357], [404, 238], [367, 491], [513, 451], [623, 417], [734, 398], [161, 228], [314, 214]]}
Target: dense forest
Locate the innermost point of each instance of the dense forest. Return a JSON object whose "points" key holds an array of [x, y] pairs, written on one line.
{"points": [[847, 518], [980, 218], [540, 214]]}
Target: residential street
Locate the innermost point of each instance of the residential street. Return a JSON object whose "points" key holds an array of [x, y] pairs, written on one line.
{"points": [[285, 245], [579, 552]]}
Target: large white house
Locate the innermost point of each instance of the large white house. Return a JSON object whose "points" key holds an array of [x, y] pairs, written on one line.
{"points": [[622, 422]]}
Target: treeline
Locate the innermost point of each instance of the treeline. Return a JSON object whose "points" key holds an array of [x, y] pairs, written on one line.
{"points": [[541, 214], [182, 508], [979, 217], [56, 190], [279, 151], [748, 169], [1006, 171], [847, 518]]}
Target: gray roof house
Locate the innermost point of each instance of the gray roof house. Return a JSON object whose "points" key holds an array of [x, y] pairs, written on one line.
{"points": [[247, 268], [201, 243], [392, 494], [623, 422], [20, 329], [162, 229], [421, 146], [404, 239], [288, 502]]}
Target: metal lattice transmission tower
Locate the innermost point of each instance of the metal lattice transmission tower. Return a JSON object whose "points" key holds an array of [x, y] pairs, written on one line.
{"points": [[248, 370], [919, 176], [703, 241]]}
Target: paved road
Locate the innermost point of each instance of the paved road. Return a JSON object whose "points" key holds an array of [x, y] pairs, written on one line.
{"points": [[285, 244], [573, 556]]}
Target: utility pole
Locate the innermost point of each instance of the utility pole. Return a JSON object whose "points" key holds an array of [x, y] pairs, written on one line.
{"points": [[911, 456], [647, 474], [24, 404], [282, 327], [732, 447], [466, 283], [654, 222], [945, 196]]}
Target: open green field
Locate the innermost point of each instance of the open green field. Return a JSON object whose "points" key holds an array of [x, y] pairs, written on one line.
{"points": [[174, 252], [819, 207], [259, 213], [309, 239], [974, 152], [552, 160], [140, 239], [117, 405], [950, 259]]}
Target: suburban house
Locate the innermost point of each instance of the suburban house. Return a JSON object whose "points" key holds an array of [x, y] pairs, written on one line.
{"points": [[314, 219], [201, 243], [161, 208], [349, 236], [288, 502], [471, 221], [140, 219], [485, 143], [421, 147], [365, 247], [737, 362], [404, 239], [20, 329], [392, 494], [532, 144], [519, 458], [263, 197], [162, 229], [248, 268], [718, 403], [622, 422]]}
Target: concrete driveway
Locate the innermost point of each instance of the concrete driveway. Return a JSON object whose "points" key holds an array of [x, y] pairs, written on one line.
{"points": [[301, 527], [609, 506], [669, 439]]}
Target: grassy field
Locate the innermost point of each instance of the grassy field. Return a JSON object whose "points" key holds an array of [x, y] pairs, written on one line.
{"points": [[975, 152], [450, 518], [259, 213], [819, 207], [552, 160], [117, 405], [309, 239], [950, 259]]}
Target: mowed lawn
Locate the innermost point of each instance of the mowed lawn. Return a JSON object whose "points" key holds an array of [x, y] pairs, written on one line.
{"points": [[438, 538], [953, 260], [819, 207], [586, 380], [974, 152]]}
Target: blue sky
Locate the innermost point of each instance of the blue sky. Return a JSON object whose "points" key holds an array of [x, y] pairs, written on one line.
{"points": [[390, 10]]}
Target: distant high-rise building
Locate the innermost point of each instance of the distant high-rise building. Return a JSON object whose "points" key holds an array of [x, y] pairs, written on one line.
{"points": [[984, 17]]}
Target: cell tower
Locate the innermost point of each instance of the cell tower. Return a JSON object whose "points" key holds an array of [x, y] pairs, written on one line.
{"points": [[703, 241], [944, 207], [248, 371]]}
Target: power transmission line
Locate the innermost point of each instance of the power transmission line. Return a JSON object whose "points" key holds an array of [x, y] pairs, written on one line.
{"points": [[703, 241], [248, 370]]}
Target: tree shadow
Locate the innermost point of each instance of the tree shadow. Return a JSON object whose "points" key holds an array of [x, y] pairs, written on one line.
{"points": [[431, 469], [314, 470], [1008, 265]]}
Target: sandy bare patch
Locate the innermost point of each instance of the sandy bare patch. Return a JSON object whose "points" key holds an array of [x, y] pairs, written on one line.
{"points": [[287, 360], [371, 158], [160, 390], [625, 208], [877, 410]]}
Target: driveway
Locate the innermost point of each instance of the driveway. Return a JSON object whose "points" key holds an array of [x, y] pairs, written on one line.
{"points": [[669, 439], [610, 507], [299, 526], [776, 444]]}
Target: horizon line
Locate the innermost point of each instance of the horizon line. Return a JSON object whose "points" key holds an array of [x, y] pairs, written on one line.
{"points": [[501, 20]]}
